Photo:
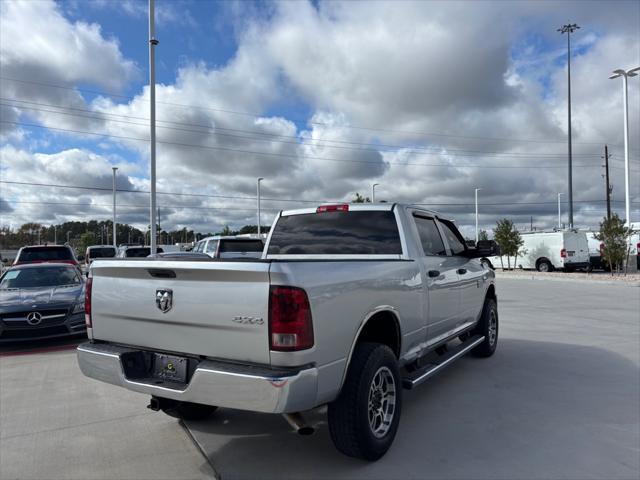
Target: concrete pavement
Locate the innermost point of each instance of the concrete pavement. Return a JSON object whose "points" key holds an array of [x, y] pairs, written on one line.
{"points": [[559, 399], [57, 424]]}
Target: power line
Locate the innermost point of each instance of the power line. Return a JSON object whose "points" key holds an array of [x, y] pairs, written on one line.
{"points": [[252, 152], [123, 190], [270, 137], [195, 207], [235, 112]]}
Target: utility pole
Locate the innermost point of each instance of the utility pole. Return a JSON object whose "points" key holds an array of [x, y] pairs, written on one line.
{"points": [[559, 211], [607, 185], [258, 196], [55, 235], [115, 169], [569, 29], [477, 214], [152, 111]]}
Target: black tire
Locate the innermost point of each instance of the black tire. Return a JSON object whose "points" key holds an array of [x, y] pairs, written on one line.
{"points": [[485, 326], [544, 265], [190, 411], [349, 424]]}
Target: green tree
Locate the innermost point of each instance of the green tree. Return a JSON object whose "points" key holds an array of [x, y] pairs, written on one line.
{"points": [[86, 240], [483, 235], [613, 234], [508, 238], [360, 199]]}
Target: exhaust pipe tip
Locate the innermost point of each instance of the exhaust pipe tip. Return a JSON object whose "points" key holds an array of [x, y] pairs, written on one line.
{"points": [[297, 421], [306, 430]]}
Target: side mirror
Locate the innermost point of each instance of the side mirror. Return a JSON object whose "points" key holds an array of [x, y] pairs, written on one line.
{"points": [[487, 248], [470, 243]]}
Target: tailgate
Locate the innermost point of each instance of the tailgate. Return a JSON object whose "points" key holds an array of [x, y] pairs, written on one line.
{"points": [[217, 309]]}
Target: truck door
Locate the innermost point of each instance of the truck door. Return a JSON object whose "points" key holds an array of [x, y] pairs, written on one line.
{"points": [[470, 274], [441, 278]]}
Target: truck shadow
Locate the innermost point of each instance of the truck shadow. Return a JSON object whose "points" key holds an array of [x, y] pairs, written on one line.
{"points": [[533, 410]]}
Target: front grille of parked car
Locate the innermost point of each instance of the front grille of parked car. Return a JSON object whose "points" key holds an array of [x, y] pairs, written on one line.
{"points": [[18, 320], [24, 333]]}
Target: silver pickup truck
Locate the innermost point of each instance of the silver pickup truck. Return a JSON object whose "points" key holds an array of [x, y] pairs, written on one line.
{"points": [[349, 305]]}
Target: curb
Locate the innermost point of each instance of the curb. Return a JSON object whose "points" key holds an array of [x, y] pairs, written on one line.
{"points": [[560, 279]]}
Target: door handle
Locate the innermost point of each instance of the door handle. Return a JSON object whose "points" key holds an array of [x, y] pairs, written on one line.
{"points": [[462, 271], [434, 273]]}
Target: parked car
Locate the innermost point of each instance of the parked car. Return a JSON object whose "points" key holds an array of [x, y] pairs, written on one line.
{"points": [[348, 305], [99, 251], [230, 247], [137, 252], [548, 251], [38, 301], [46, 253]]}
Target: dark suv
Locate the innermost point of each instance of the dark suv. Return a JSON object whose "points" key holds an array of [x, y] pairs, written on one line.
{"points": [[46, 253]]}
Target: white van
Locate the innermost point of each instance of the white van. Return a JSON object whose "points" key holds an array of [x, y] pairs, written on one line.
{"points": [[548, 251]]}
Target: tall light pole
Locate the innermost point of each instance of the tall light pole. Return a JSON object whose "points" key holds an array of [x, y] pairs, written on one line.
{"points": [[373, 192], [115, 169], [559, 211], [55, 235], [477, 189], [258, 196], [625, 74], [68, 233], [569, 28], [152, 110]]}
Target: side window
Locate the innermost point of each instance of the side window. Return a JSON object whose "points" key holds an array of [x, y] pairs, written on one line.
{"points": [[198, 247], [429, 236], [456, 242], [211, 246]]}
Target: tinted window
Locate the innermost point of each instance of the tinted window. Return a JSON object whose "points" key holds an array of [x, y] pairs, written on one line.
{"points": [[211, 246], [337, 233], [45, 253], [456, 242], [241, 246], [430, 238], [40, 277], [104, 252], [140, 252]]}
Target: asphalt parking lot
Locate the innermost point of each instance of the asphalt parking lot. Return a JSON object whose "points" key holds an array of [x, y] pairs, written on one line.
{"points": [[559, 399]]}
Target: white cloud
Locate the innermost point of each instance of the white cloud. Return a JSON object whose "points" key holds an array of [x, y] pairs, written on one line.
{"points": [[397, 67]]}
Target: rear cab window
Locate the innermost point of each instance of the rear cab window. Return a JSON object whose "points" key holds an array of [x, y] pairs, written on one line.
{"points": [[101, 252], [232, 245], [35, 254], [336, 233]]}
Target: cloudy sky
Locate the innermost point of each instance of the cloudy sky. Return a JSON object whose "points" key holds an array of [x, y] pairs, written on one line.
{"points": [[428, 99]]}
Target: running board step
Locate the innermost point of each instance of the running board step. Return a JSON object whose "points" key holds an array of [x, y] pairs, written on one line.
{"points": [[416, 378]]}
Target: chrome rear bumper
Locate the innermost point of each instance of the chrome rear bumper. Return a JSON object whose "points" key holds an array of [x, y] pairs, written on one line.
{"points": [[222, 384]]}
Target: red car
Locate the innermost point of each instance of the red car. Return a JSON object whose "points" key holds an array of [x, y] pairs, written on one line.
{"points": [[46, 254]]}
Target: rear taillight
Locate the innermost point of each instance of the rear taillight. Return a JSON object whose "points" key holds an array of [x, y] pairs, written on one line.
{"points": [[344, 207], [290, 325], [87, 302], [563, 253]]}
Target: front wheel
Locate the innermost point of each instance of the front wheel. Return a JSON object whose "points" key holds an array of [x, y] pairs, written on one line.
{"points": [[487, 327], [363, 420]]}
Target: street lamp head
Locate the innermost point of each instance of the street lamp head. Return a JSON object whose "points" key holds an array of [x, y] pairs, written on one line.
{"points": [[260, 178], [617, 73], [632, 72], [569, 27]]}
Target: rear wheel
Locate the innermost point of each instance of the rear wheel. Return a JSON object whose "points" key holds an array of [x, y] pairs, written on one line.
{"points": [[487, 327], [363, 420], [189, 411], [544, 265]]}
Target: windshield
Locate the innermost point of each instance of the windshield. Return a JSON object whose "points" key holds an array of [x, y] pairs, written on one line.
{"points": [[45, 253], [40, 277]]}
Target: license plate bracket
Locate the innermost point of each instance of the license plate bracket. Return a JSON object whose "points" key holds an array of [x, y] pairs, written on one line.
{"points": [[170, 368]]}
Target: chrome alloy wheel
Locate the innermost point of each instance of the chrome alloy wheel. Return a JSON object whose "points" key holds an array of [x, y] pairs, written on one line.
{"points": [[493, 327], [382, 402]]}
